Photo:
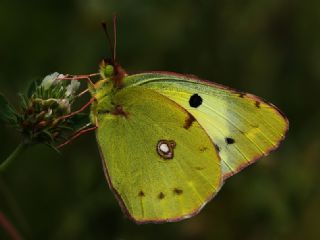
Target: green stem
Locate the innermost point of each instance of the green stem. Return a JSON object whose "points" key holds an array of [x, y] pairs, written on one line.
{"points": [[13, 155]]}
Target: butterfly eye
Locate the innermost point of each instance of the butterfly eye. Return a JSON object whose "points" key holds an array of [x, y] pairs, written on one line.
{"points": [[165, 148]]}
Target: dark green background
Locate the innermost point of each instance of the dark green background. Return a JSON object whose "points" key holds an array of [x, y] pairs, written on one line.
{"points": [[267, 47]]}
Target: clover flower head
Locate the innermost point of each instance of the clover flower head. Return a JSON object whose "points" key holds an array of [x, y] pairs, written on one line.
{"points": [[72, 88], [50, 80]]}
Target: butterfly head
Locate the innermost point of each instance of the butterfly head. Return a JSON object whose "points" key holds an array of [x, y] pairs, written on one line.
{"points": [[111, 80], [106, 69], [112, 71]]}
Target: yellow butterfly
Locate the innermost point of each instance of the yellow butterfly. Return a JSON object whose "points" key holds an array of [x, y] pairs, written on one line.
{"points": [[169, 141]]}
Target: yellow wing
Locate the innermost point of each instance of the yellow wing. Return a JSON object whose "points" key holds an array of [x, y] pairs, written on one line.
{"points": [[159, 161], [242, 126]]}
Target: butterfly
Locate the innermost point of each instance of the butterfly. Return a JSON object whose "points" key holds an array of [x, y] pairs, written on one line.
{"points": [[169, 141]]}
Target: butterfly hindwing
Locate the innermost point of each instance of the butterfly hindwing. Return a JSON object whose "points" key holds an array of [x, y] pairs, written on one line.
{"points": [[242, 126], [159, 161]]}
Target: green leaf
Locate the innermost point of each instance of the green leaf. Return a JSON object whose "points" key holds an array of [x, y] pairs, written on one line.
{"points": [[7, 113]]}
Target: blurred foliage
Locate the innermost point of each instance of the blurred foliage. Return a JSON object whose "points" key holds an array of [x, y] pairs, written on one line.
{"points": [[267, 47]]}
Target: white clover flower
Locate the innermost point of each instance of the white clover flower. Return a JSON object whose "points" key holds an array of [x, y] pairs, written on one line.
{"points": [[50, 80], [72, 88], [64, 104], [60, 76]]}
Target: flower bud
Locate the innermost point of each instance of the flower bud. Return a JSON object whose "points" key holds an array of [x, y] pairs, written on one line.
{"points": [[50, 80]]}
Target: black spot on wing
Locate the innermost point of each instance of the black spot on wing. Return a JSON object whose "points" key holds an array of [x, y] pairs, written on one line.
{"points": [[141, 194], [230, 140], [199, 168], [203, 149], [257, 104], [177, 191], [161, 195], [195, 100]]}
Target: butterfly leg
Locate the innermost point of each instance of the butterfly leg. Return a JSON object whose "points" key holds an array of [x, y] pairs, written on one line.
{"points": [[79, 133], [86, 128], [82, 93], [81, 77], [78, 111], [87, 78]]}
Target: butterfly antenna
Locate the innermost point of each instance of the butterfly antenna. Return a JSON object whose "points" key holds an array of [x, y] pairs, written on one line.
{"points": [[114, 37], [111, 45]]}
